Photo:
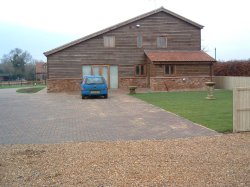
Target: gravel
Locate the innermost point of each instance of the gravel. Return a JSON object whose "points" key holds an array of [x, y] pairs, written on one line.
{"points": [[222, 160]]}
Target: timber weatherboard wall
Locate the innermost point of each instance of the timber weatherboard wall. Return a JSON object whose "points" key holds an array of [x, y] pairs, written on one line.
{"points": [[180, 36], [180, 70], [152, 29]]}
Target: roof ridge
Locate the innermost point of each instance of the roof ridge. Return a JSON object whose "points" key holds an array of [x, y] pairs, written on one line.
{"points": [[162, 50], [161, 9]]}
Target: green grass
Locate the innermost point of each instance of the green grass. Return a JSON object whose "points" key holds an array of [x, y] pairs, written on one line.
{"points": [[214, 114], [18, 86], [13, 86], [30, 90]]}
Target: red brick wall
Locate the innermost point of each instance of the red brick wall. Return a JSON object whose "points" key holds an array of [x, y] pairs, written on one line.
{"points": [[156, 83], [178, 83], [140, 82], [63, 85], [69, 85]]}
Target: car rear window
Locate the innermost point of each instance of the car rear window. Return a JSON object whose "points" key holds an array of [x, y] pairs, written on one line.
{"points": [[95, 80]]}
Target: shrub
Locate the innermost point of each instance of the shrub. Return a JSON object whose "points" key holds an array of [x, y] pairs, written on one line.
{"points": [[232, 68]]}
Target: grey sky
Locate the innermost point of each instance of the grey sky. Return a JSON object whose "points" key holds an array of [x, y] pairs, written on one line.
{"points": [[41, 25]]}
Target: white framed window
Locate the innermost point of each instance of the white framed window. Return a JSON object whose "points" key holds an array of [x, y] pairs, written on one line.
{"points": [[169, 69], [109, 41], [162, 42]]}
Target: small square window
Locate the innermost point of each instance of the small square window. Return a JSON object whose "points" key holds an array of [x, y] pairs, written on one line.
{"points": [[161, 42], [140, 70], [109, 41], [169, 69]]}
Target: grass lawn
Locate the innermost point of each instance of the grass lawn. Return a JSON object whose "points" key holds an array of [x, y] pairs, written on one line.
{"points": [[18, 86], [214, 114], [33, 89], [14, 86]]}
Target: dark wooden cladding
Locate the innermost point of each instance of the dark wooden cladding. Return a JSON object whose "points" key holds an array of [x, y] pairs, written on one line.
{"points": [[180, 70], [126, 70], [181, 35], [192, 70]]}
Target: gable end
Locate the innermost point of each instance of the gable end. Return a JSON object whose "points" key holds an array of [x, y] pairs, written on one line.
{"points": [[47, 53]]}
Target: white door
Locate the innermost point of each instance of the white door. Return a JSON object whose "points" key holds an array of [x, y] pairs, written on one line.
{"points": [[105, 74], [110, 73], [113, 76], [86, 70], [96, 70]]}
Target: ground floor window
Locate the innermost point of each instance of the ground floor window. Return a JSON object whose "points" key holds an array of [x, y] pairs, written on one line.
{"points": [[140, 70], [169, 69]]}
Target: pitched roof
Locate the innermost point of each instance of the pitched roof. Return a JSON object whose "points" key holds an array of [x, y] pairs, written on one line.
{"points": [[161, 9], [178, 56]]}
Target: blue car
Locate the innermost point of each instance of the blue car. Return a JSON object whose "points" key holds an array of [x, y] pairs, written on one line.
{"points": [[94, 86]]}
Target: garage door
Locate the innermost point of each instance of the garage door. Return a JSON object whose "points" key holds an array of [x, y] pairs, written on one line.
{"points": [[109, 72]]}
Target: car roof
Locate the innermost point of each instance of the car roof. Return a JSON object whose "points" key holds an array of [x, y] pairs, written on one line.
{"points": [[91, 76]]}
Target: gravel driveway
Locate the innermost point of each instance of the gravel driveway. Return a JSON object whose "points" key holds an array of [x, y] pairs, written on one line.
{"points": [[60, 117], [222, 160]]}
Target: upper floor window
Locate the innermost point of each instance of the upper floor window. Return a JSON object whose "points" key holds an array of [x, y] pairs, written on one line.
{"points": [[140, 70], [139, 41], [161, 42], [169, 69], [109, 41]]}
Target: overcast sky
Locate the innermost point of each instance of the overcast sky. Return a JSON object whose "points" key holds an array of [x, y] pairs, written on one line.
{"points": [[41, 25]]}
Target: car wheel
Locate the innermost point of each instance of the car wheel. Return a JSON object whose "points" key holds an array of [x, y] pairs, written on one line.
{"points": [[106, 96], [83, 96]]}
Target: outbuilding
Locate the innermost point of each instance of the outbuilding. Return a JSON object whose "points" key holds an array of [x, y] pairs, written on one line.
{"points": [[160, 50]]}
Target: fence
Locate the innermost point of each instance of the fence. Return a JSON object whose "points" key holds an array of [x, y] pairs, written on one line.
{"points": [[21, 83], [241, 109], [229, 82]]}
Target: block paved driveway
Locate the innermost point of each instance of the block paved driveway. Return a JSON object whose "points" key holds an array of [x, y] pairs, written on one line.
{"points": [[60, 117]]}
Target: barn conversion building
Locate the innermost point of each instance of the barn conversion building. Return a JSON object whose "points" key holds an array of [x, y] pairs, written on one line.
{"points": [[160, 50]]}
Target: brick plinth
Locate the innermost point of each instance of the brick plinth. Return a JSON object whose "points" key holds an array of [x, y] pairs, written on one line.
{"points": [[63, 85], [156, 83], [178, 83]]}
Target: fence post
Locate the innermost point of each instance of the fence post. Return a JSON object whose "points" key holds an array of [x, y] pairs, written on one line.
{"points": [[241, 109], [235, 109]]}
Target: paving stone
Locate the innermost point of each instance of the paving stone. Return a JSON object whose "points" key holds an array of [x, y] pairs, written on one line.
{"points": [[61, 117]]}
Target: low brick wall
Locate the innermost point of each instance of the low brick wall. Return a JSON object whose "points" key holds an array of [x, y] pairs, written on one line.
{"points": [[63, 85], [178, 83], [140, 82], [156, 83]]}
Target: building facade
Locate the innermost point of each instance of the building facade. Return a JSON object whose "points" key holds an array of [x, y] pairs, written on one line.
{"points": [[160, 50]]}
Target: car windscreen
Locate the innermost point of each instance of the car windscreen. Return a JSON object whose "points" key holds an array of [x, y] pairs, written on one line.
{"points": [[95, 80]]}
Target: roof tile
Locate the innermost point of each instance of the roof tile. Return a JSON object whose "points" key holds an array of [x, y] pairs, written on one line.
{"points": [[178, 56]]}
